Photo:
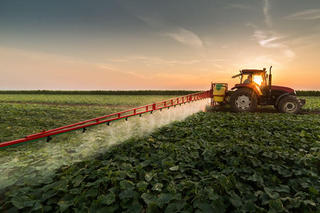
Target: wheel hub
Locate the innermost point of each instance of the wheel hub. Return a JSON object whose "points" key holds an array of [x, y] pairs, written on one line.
{"points": [[290, 107], [243, 102]]}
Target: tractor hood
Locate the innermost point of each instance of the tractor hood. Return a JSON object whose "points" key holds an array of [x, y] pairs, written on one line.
{"points": [[281, 88], [273, 88]]}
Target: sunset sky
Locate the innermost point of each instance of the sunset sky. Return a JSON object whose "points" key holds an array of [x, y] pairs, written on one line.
{"points": [[149, 44]]}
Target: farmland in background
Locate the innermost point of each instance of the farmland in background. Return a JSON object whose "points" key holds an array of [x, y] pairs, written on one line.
{"points": [[313, 103], [216, 161], [124, 92]]}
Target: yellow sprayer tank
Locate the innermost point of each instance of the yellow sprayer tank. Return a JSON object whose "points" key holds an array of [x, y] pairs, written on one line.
{"points": [[219, 92]]}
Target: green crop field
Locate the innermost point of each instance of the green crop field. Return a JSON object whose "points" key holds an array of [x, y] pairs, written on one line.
{"points": [[22, 115], [313, 103], [210, 162]]}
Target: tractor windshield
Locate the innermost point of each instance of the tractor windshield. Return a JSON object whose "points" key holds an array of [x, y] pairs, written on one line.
{"points": [[246, 78], [258, 79], [252, 78]]}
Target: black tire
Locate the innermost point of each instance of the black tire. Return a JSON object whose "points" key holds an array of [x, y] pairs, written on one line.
{"points": [[289, 104], [244, 100]]}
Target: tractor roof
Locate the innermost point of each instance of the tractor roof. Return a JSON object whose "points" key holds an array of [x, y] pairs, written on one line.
{"points": [[252, 71], [249, 71]]}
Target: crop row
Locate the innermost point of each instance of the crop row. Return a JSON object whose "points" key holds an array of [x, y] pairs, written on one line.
{"points": [[109, 100]]}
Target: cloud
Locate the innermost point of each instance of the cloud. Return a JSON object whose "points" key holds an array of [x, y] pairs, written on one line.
{"points": [[270, 42], [269, 39], [311, 14], [186, 37], [289, 53], [266, 13], [152, 21]]}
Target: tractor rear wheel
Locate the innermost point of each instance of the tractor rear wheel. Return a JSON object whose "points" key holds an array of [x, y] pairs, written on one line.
{"points": [[289, 104], [243, 100]]}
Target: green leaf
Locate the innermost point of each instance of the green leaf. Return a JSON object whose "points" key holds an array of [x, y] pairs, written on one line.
{"points": [[256, 178], [64, 205], [78, 180], [126, 184], [157, 187], [36, 206], [313, 191], [134, 207], [48, 194], [174, 168], [92, 192], [153, 208], [270, 193], [149, 176], [212, 194], [283, 189], [107, 199], [236, 200], [276, 205], [204, 206], [148, 198], [164, 198], [126, 194], [309, 203], [302, 133], [175, 206], [142, 186], [23, 201]]}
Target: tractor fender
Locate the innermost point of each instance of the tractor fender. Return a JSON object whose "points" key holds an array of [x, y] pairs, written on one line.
{"points": [[281, 96], [254, 87]]}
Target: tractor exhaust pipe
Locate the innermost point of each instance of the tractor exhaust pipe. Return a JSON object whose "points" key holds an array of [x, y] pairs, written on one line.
{"points": [[270, 81]]}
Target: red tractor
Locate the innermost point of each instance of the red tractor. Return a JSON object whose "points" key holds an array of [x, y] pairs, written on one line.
{"points": [[255, 88]]}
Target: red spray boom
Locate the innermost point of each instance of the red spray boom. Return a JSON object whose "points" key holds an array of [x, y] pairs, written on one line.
{"points": [[111, 117]]}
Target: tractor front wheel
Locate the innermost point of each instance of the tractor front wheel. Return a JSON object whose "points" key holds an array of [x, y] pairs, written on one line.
{"points": [[289, 104], [243, 100]]}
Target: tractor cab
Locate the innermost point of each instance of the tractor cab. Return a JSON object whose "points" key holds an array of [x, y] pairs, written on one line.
{"points": [[256, 89], [255, 79], [252, 76]]}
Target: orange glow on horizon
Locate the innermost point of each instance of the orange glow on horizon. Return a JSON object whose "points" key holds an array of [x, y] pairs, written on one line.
{"points": [[48, 71]]}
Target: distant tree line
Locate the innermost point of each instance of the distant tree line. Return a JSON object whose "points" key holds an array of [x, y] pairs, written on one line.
{"points": [[125, 92], [308, 93]]}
